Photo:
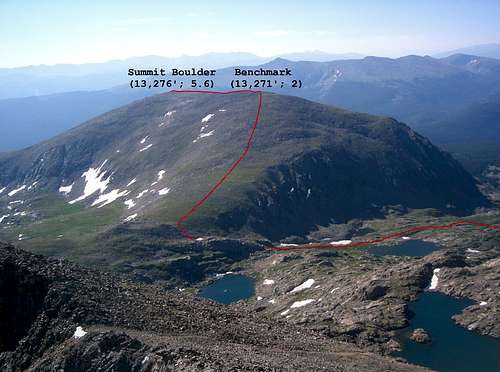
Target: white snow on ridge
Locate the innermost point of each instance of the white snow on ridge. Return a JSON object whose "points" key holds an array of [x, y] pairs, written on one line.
{"points": [[4, 217], [142, 193], [341, 242], [164, 191], [202, 135], [207, 118], [129, 203], [222, 110], [132, 182], [483, 303], [143, 140], [473, 250], [33, 185], [434, 280], [66, 189], [146, 148], [2, 190], [15, 191], [161, 174], [94, 181], [301, 303], [268, 282], [307, 284], [130, 218], [169, 113], [110, 197], [79, 332]]}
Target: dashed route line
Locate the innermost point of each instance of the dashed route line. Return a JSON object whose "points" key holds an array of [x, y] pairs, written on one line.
{"points": [[311, 246]]}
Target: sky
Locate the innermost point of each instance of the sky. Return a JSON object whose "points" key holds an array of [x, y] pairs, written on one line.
{"points": [[36, 32]]}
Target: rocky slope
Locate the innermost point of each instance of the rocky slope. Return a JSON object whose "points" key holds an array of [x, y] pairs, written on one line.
{"points": [[362, 298], [57, 316]]}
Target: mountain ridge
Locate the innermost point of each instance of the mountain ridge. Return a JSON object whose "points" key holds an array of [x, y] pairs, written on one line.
{"points": [[162, 153]]}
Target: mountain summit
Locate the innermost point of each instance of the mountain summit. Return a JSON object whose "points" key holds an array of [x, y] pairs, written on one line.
{"points": [[309, 165]]}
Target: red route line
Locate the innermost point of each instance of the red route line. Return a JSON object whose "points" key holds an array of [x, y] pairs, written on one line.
{"points": [[293, 248], [387, 237], [230, 170]]}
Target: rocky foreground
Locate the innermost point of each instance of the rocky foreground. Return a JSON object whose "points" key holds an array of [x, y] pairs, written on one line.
{"points": [[56, 316]]}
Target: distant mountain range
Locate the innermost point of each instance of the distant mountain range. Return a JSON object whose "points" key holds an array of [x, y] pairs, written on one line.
{"points": [[43, 80], [483, 50], [427, 93], [150, 161]]}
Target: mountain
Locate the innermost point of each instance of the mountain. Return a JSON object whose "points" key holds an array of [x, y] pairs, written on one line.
{"points": [[29, 120], [58, 316], [417, 90], [149, 162], [44, 80], [421, 91], [483, 50], [476, 124]]}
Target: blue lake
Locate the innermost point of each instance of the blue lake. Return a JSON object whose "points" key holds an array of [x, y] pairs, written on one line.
{"points": [[413, 248], [453, 348], [228, 289]]}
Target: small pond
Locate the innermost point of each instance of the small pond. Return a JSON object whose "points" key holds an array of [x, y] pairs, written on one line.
{"points": [[453, 348], [413, 248], [228, 289]]}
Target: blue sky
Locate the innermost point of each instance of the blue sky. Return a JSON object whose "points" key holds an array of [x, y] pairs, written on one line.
{"points": [[77, 31]]}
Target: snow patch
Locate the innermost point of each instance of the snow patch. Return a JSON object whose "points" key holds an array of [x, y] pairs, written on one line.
{"points": [[268, 282], [110, 197], [259, 298], [146, 148], [483, 303], [94, 181], [14, 192], [132, 182], [307, 284], [203, 135], [301, 303], [2, 189], [405, 238], [4, 217], [130, 218], [341, 242], [283, 313], [142, 193], [434, 280], [79, 332], [272, 301], [164, 191], [66, 189], [207, 118], [472, 250], [143, 140], [161, 174]]}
